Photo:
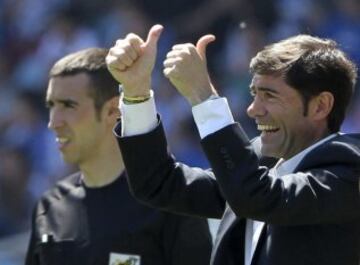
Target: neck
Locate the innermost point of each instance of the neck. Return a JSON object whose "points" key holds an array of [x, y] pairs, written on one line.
{"points": [[105, 167], [316, 137]]}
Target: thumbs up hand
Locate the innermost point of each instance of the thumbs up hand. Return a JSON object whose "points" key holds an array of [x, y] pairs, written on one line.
{"points": [[185, 67], [131, 61]]}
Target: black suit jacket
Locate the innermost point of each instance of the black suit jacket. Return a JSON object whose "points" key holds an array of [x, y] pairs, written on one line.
{"points": [[312, 216]]}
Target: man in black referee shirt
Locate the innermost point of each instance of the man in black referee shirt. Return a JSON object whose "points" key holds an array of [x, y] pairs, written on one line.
{"points": [[90, 217]]}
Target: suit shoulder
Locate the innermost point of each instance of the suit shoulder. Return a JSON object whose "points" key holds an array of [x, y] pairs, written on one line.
{"points": [[351, 140], [343, 149], [346, 146]]}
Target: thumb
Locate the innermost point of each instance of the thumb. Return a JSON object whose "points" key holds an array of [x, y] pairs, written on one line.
{"points": [[202, 44], [153, 36]]}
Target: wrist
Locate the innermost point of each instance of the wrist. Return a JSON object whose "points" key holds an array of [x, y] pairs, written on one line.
{"points": [[202, 98], [135, 99], [139, 91], [136, 95]]}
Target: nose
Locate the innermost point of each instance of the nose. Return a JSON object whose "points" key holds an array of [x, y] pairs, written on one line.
{"points": [[56, 119], [256, 108]]}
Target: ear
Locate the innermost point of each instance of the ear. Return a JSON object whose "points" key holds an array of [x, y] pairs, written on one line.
{"points": [[112, 110], [321, 105]]}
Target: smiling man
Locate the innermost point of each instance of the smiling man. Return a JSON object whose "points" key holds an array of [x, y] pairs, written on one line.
{"points": [[283, 119], [304, 210], [90, 217]]}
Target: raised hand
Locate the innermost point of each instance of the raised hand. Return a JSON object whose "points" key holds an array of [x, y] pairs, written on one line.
{"points": [[131, 61], [185, 66]]}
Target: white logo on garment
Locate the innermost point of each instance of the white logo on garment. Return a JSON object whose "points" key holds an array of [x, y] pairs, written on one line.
{"points": [[124, 259]]}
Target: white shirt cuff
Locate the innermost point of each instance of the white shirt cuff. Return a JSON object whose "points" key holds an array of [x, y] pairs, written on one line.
{"points": [[138, 118], [212, 115]]}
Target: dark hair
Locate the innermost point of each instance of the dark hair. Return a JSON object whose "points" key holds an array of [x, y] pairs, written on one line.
{"points": [[311, 65], [92, 62]]}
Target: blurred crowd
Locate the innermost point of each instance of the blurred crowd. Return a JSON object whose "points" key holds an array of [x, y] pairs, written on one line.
{"points": [[35, 33]]}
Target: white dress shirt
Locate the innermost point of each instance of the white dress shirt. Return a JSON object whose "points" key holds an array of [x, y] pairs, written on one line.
{"points": [[210, 116]]}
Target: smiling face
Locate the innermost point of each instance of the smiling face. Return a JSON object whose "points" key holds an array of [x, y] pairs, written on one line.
{"points": [[278, 111], [72, 117]]}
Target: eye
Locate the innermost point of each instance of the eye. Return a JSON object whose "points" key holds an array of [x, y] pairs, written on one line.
{"points": [[268, 95], [69, 104]]}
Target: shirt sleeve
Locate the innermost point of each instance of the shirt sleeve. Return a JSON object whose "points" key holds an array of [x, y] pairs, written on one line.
{"points": [[212, 115], [138, 118]]}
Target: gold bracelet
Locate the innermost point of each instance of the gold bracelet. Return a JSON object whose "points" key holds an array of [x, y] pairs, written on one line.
{"points": [[134, 100]]}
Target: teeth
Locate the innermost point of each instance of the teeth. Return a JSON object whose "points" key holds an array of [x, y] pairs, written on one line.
{"points": [[62, 140], [262, 127]]}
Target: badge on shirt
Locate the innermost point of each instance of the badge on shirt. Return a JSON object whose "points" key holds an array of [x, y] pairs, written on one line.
{"points": [[124, 259]]}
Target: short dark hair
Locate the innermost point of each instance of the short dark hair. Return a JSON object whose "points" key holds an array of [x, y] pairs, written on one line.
{"points": [[311, 65], [92, 62]]}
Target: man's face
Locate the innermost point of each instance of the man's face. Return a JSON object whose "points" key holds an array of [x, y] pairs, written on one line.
{"points": [[73, 119], [279, 114]]}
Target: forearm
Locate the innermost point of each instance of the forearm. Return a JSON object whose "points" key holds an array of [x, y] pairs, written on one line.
{"points": [[162, 182]]}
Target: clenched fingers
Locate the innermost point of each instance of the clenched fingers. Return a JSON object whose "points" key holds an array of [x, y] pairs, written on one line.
{"points": [[125, 52], [178, 59]]}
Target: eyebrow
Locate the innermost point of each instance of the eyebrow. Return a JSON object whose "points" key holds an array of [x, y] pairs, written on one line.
{"points": [[62, 101], [265, 89]]}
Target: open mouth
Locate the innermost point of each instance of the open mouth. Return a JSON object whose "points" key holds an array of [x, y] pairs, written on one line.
{"points": [[62, 141], [267, 128]]}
